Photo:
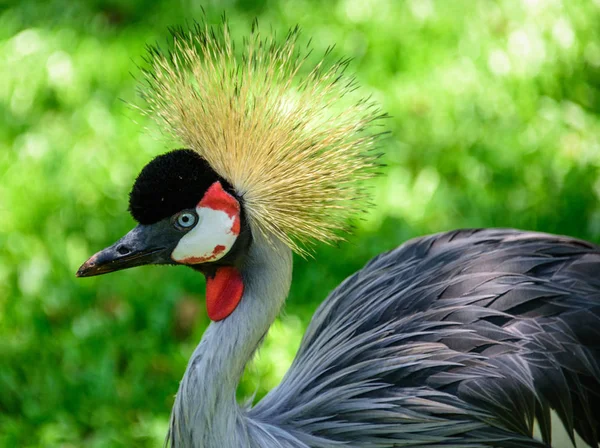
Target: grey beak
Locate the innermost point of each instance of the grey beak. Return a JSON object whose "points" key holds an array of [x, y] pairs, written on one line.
{"points": [[144, 244]]}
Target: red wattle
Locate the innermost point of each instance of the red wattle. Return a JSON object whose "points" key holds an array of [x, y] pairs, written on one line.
{"points": [[223, 292]]}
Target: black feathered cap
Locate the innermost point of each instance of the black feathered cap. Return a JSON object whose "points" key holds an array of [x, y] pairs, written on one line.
{"points": [[170, 183]]}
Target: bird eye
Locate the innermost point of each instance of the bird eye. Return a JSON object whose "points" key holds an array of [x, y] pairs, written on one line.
{"points": [[186, 220]]}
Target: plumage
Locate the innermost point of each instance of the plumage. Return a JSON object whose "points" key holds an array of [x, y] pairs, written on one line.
{"points": [[294, 141], [456, 339]]}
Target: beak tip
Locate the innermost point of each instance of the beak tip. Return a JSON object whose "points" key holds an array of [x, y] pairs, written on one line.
{"points": [[87, 268], [83, 270]]}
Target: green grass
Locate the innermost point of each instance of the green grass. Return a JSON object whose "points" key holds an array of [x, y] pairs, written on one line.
{"points": [[495, 109]]}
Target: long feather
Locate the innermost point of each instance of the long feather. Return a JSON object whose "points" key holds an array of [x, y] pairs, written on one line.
{"points": [[296, 142]]}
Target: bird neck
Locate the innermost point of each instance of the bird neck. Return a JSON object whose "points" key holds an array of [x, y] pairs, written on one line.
{"points": [[205, 410]]}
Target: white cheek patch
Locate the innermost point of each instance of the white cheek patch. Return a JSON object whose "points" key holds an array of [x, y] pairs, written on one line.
{"points": [[211, 238]]}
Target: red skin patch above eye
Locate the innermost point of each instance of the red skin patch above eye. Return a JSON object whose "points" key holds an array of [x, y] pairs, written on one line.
{"points": [[218, 199], [223, 292]]}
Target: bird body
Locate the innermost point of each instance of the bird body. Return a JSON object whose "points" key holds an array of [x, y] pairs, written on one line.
{"points": [[461, 339]]}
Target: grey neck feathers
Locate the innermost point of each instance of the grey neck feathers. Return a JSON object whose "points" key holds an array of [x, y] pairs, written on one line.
{"points": [[205, 413]]}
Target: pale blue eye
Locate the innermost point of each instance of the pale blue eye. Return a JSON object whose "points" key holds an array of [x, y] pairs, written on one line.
{"points": [[187, 220]]}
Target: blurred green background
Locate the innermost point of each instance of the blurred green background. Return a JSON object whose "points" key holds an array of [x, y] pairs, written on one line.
{"points": [[495, 109]]}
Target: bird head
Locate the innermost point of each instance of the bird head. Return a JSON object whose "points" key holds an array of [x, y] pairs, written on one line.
{"points": [[187, 215], [274, 147]]}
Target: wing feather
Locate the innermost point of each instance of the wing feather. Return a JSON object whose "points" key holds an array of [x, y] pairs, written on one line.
{"points": [[464, 338]]}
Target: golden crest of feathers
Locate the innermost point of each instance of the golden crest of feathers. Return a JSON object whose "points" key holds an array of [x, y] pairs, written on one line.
{"points": [[290, 139]]}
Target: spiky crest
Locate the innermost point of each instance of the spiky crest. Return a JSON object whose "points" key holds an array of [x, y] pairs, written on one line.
{"points": [[291, 140]]}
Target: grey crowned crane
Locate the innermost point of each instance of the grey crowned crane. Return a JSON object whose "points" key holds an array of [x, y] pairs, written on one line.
{"points": [[468, 338]]}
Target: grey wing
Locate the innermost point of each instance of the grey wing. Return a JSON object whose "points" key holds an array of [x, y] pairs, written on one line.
{"points": [[456, 339]]}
